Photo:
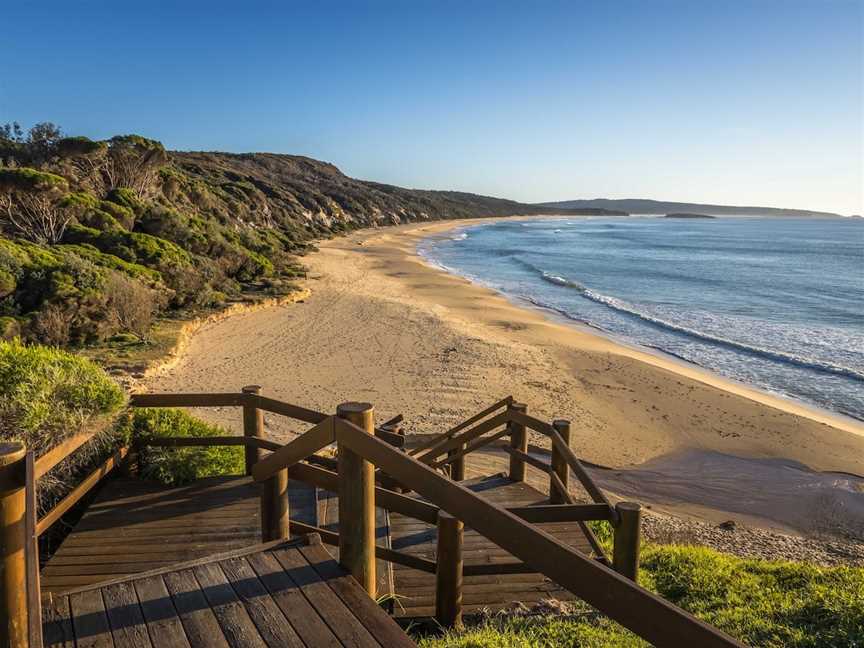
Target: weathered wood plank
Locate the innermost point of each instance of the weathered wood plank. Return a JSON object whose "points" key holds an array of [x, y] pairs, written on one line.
{"points": [[331, 608], [271, 623], [294, 605], [199, 623], [89, 620], [379, 625], [128, 628], [232, 616], [57, 629], [163, 623], [306, 444]]}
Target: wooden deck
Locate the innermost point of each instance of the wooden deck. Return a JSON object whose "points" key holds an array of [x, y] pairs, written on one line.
{"points": [[135, 525], [290, 594], [416, 590]]}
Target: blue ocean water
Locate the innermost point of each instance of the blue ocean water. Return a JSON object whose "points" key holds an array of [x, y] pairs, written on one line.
{"points": [[776, 303]]}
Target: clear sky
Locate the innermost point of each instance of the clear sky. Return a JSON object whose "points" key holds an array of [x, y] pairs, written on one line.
{"points": [[726, 101]]}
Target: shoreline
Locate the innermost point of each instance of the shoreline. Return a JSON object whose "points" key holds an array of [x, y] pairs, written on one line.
{"points": [[642, 352], [384, 326]]}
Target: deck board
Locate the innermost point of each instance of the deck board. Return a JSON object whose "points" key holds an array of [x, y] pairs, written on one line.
{"points": [[135, 525], [290, 593]]}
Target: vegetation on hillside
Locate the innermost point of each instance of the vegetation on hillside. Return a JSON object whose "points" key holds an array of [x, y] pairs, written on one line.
{"points": [[762, 603], [98, 237]]}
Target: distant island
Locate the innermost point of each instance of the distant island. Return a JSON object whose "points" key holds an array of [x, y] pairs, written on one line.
{"points": [[688, 215], [645, 206]]}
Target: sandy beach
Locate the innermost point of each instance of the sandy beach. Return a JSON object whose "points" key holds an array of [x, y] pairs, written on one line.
{"points": [[383, 326]]}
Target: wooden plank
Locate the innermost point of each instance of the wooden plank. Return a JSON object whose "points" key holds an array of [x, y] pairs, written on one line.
{"points": [[646, 614], [163, 624], [471, 447], [177, 442], [199, 623], [306, 444], [396, 440], [89, 620], [562, 512], [484, 569], [57, 629], [31, 553], [235, 622], [431, 443], [453, 443], [80, 491], [128, 628], [59, 452], [272, 625], [331, 608], [379, 625], [287, 595], [231, 399], [285, 409]]}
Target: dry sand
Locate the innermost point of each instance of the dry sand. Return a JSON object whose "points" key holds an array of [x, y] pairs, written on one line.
{"points": [[383, 326]]}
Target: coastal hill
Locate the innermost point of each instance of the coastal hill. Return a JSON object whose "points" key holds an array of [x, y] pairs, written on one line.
{"points": [[97, 237], [645, 206]]}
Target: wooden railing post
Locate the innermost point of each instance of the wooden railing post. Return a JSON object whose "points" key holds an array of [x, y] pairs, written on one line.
{"points": [[253, 427], [457, 468], [518, 441], [559, 465], [625, 553], [448, 573], [13, 588], [357, 502], [275, 510]]}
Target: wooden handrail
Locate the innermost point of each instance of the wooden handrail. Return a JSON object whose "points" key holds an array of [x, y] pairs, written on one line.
{"points": [[471, 447], [291, 453], [539, 464], [562, 512], [646, 614], [285, 409], [431, 443], [228, 399], [469, 435], [173, 442], [80, 490]]}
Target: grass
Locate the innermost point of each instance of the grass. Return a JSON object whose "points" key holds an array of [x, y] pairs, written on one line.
{"points": [[762, 603], [176, 466]]}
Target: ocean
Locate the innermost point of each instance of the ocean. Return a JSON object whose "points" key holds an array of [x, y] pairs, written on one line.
{"points": [[774, 303]]}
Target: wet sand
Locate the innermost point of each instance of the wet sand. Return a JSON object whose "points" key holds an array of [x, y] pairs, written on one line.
{"points": [[382, 325]]}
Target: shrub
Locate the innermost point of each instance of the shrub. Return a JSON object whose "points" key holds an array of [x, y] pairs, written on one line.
{"points": [[49, 394], [130, 305], [180, 465]]}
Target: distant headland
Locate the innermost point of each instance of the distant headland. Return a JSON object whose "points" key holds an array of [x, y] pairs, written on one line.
{"points": [[688, 215], [646, 206]]}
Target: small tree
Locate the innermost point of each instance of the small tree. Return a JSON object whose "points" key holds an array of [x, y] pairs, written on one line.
{"points": [[130, 305], [31, 201], [133, 162]]}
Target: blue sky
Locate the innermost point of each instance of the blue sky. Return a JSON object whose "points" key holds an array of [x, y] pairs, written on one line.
{"points": [[736, 102]]}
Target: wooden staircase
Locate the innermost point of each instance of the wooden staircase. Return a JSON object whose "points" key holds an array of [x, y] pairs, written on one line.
{"points": [[291, 594]]}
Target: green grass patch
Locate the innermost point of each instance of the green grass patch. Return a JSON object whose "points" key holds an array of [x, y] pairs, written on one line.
{"points": [[176, 466], [762, 603]]}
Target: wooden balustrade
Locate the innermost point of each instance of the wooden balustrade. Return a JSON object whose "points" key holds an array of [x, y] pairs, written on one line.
{"points": [[558, 488]]}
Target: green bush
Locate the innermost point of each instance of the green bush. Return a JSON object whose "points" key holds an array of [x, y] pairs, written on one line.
{"points": [[180, 465], [49, 394]]}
